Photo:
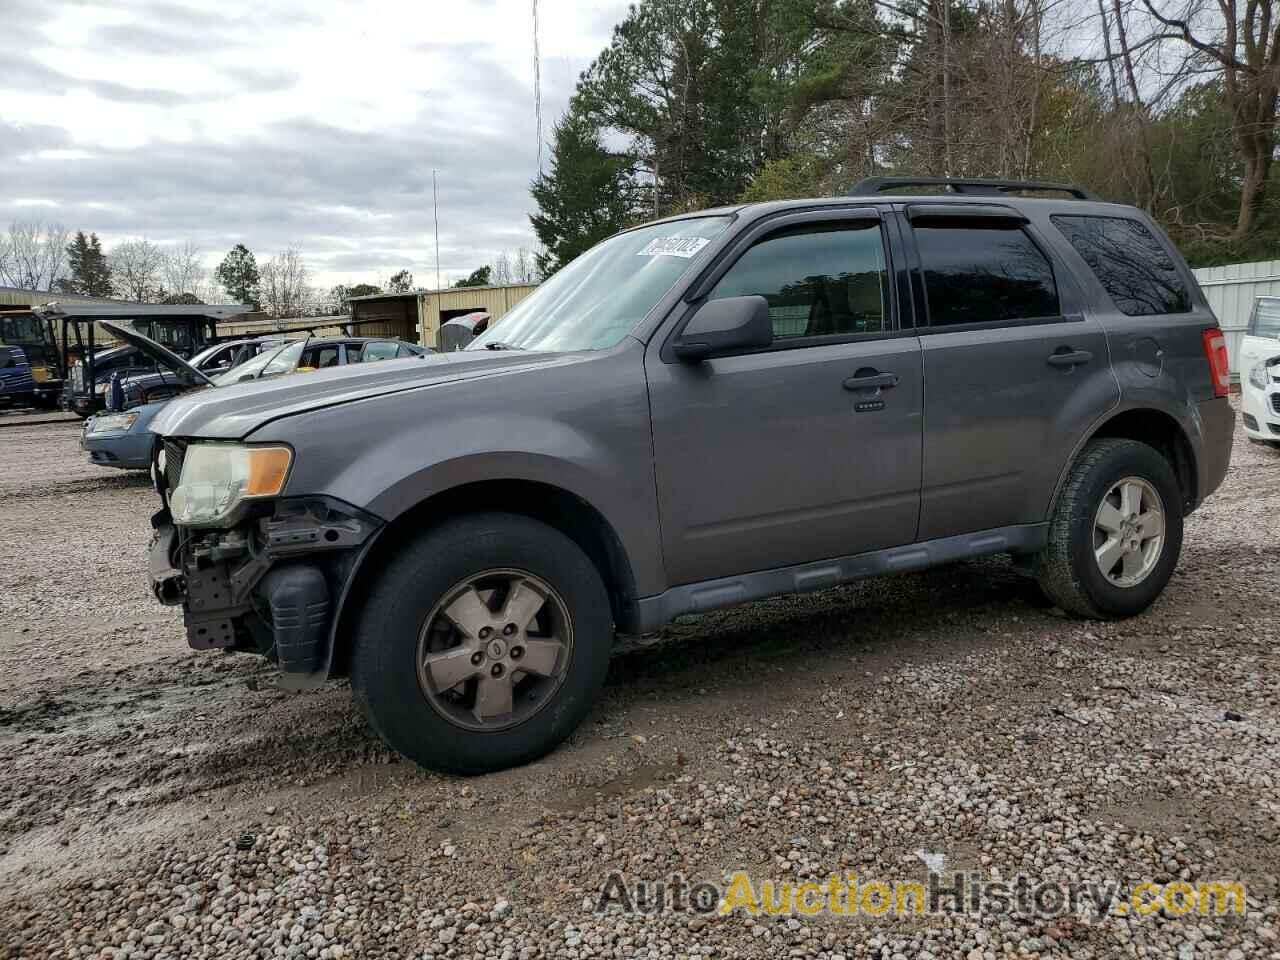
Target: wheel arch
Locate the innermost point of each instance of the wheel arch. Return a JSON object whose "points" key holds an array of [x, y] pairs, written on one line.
{"points": [[1157, 429], [557, 507]]}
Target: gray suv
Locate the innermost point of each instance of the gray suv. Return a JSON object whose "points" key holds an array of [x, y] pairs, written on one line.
{"points": [[698, 412]]}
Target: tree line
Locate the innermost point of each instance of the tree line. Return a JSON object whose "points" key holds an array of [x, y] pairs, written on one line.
{"points": [[46, 257], [1170, 105]]}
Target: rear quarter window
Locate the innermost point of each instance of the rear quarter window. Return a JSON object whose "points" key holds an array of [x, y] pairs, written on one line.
{"points": [[1130, 263]]}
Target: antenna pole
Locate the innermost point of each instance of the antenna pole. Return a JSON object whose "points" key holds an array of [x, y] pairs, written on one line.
{"points": [[435, 207], [537, 85]]}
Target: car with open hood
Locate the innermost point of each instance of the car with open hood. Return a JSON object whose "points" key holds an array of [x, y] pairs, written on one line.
{"points": [[123, 439], [159, 383], [698, 412]]}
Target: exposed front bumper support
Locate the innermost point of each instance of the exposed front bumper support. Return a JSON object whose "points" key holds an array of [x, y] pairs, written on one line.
{"points": [[264, 586], [167, 582]]}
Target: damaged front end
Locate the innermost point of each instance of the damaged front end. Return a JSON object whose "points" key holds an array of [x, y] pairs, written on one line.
{"points": [[270, 583]]}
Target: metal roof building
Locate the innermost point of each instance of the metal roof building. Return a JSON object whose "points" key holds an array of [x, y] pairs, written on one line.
{"points": [[21, 297], [418, 316]]}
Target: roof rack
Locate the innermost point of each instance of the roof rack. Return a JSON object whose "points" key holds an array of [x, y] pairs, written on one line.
{"points": [[971, 186]]}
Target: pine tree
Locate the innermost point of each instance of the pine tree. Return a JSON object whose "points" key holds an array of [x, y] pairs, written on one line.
{"points": [[586, 195], [238, 274], [90, 271]]}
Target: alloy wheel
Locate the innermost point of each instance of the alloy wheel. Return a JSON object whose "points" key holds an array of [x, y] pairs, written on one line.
{"points": [[1128, 532], [494, 649]]}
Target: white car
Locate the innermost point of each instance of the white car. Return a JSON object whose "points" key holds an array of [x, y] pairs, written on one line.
{"points": [[1260, 372]]}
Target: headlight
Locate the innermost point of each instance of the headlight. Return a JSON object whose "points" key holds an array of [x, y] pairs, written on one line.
{"points": [[218, 477], [1258, 376], [111, 423]]}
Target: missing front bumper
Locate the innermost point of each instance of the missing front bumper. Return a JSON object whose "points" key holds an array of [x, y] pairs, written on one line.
{"points": [[265, 587]]}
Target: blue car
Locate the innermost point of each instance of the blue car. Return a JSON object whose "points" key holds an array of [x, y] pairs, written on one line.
{"points": [[122, 440], [17, 384]]}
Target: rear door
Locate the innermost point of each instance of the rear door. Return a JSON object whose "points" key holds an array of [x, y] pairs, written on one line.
{"points": [[808, 449], [1015, 371]]}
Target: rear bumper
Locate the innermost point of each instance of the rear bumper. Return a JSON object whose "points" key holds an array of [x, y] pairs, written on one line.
{"points": [[1218, 425]]}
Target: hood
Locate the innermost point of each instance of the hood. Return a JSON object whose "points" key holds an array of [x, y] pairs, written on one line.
{"points": [[161, 355], [233, 412]]}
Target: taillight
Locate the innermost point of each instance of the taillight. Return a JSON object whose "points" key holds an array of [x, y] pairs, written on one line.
{"points": [[1215, 351]]}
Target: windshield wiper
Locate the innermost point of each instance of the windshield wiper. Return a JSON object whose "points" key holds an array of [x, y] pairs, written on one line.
{"points": [[499, 345]]}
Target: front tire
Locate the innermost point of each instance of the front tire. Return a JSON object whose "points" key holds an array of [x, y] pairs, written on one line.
{"points": [[483, 644], [1115, 533]]}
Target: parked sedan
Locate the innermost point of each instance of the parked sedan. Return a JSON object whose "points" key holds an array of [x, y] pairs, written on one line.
{"points": [[1260, 372], [162, 384], [123, 439]]}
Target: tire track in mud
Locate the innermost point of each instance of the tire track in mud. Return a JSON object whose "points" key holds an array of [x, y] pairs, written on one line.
{"points": [[155, 732]]}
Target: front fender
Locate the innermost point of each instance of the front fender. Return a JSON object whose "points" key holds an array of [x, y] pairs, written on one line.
{"points": [[582, 427]]}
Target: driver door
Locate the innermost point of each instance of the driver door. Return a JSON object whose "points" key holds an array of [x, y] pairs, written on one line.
{"points": [[809, 449]]}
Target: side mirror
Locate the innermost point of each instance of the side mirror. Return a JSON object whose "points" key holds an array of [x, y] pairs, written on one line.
{"points": [[725, 326]]}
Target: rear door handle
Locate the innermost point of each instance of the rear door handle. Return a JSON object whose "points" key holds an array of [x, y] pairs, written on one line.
{"points": [[870, 379], [1066, 357]]}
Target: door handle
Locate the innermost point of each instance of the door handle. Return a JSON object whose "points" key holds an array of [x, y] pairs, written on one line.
{"points": [[868, 379], [1066, 357]]}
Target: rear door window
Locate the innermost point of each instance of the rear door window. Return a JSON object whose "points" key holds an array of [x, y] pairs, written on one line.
{"points": [[978, 272], [1130, 263]]}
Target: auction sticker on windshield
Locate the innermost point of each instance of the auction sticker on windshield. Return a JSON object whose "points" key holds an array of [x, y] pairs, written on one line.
{"points": [[673, 246]]}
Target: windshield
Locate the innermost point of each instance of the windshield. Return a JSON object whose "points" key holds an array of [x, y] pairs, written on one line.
{"points": [[598, 298], [254, 368], [20, 329], [205, 354]]}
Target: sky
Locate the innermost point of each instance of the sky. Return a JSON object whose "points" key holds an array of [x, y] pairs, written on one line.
{"points": [[314, 124]]}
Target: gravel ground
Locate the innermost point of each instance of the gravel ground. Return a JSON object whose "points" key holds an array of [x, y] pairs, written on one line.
{"points": [[156, 802]]}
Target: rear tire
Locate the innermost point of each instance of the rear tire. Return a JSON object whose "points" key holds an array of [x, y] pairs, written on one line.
{"points": [[1136, 535], [403, 633]]}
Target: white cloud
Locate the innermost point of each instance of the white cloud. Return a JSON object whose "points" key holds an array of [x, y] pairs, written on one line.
{"points": [[314, 123]]}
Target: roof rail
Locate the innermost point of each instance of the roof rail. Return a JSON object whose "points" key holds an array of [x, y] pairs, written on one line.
{"points": [[972, 186]]}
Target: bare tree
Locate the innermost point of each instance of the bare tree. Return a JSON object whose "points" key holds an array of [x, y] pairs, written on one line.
{"points": [[502, 268], [136, 267], [523, 267], [284, 284], [182, 270], [33, 255], [1242, 40]]}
